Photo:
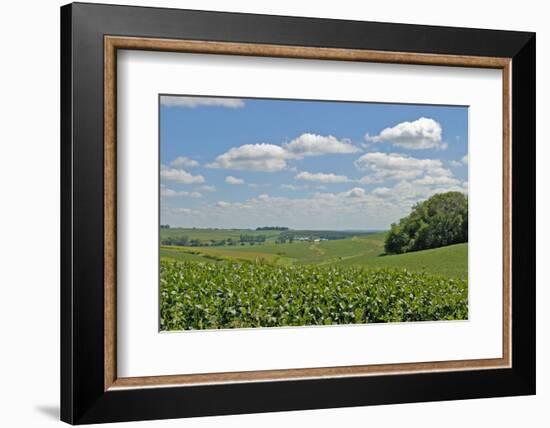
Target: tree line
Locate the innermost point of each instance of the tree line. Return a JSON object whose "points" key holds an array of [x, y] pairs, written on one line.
{"points": [[439, 221], [184, 241]]}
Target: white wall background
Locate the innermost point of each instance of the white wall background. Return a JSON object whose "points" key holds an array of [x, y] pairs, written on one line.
{"points": [[29, 214]]}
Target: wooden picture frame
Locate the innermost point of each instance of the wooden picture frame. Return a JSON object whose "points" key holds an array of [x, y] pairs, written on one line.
{"points": [[91, 390]]}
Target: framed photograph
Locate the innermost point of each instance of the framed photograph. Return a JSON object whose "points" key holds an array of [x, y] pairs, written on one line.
{"points": [[266, 213]]}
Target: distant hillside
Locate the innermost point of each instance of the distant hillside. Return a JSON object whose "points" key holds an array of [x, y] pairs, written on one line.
{"points": [[364, 250]]}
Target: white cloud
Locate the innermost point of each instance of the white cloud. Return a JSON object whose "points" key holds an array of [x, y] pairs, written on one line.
{"points": [[193, 102], [293, 187], [177, 211], [171, 193], [351, 209], [315, 145], [461, 162], [402, 196], [437, 180], [394, 166], [165, 192], [254, 157], [356, 192], [346, 209], [423, 133], [321, 177], [179, 175], [271, 157], [233, 180], [183, 161], [367, 179], [207, 188], [183, 210]]}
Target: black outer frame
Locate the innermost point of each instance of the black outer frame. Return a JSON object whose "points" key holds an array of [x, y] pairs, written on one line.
{"points": [[83, 399]]}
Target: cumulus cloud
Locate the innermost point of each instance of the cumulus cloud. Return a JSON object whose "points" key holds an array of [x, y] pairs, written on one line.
{"points": [[184, 161], [354, 208], [437, 180], [177, 212], [171, 193], [207, 188], [315, 145], [321, 177], [193, 102], [233, 180], [315, 202], [369, 179], [461, 162], [293, 187], [345, 209], [253, 157], [395, 166], [356, 192], [404, 194], [271, 157], [179, 175], [423, 133]]}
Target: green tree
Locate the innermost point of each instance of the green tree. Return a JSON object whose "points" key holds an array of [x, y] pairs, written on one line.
{"points": [[439, 221], [280, 239]]}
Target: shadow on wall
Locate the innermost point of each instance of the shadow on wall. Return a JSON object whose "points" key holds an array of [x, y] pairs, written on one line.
{"points": [[50, 411]]}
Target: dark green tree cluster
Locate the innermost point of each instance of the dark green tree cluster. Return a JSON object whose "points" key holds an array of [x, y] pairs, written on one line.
{"points": [[176, 240], [441, 220], [252, 239]]}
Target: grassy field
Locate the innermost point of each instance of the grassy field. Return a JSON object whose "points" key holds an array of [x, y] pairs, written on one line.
{"points": [[367, 251], [319, 282], [451, 261]]}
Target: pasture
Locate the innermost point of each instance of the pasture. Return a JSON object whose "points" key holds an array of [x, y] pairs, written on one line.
{"points": [[364, 250]]}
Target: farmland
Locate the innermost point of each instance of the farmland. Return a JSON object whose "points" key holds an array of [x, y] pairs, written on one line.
{"points": [[237, 295], [305, 282], [206, 235], [364, 249]]}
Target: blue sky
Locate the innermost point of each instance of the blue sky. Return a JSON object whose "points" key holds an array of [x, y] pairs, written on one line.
{"points": [[244, 163]]}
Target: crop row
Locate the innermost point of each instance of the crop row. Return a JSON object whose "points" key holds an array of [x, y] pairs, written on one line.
{"points": [[195, 295]]}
